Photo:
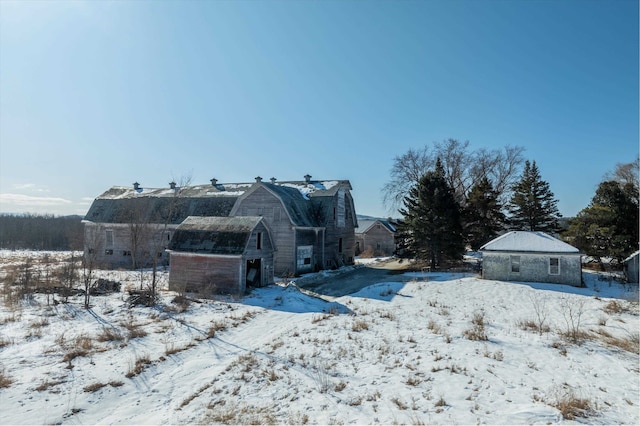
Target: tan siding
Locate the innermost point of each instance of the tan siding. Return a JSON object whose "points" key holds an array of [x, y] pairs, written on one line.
{"points": [[263, 202]]}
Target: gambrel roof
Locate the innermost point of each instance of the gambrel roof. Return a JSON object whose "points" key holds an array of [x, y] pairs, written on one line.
{"points": [[302, 199], [525, 241], [214, 235]]}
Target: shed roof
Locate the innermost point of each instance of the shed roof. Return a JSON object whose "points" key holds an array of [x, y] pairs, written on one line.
{"points": [[525, 241], [214, 235]]}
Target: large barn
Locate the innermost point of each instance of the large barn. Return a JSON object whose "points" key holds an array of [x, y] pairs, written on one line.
{"points": [[311, 223], [531, 257]]}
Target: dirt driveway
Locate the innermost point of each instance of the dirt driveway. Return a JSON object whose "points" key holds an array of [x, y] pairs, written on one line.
{"points": [[356, 279]]}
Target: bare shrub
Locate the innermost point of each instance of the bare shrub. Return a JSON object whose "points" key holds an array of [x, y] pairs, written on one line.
{"points": [[572, 311]]}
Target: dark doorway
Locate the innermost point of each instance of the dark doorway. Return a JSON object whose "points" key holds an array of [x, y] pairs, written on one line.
{"points": [[254, 272]]}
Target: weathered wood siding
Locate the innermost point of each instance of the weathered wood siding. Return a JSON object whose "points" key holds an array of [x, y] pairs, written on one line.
{"points": [[534, 267], [263, 203], [378, 240], [110, 245], [340, 239], [207, 274]]}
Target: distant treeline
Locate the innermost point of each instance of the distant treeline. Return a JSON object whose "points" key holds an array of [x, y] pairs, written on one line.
{"points": [[41, 232]]}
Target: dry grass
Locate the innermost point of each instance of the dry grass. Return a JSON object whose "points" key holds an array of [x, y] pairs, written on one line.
{"points": [[572, 406], [138, 367], [110, 334], [94, 387], [477, 331], [615, 307], [360, 325], [5, 380], [47, 385], [231, 414], [81, 346]]}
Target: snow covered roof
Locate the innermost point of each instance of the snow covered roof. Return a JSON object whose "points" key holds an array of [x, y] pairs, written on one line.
{"points": [[525, 241], [632, 255], [365, 224], [173, 205]]}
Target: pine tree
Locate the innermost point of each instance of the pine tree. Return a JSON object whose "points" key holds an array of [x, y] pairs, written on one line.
{"points": [[482, 215], [533, 206], [432, 225], [609, 225]]}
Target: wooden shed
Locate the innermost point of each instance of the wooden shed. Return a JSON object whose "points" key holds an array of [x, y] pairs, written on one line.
{"points": [[531, 257], [220, 255], [375, 237]]}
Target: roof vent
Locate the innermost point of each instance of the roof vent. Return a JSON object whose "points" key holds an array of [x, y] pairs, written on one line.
{"points": [[214, 181], [258, 179], [307, 178], [172, 185], [136, 186], [273, 180]]}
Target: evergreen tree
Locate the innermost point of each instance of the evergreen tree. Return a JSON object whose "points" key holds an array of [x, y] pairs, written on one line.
{"points": [[482, 216], [609, 225], [533, 206], [432, 225]]}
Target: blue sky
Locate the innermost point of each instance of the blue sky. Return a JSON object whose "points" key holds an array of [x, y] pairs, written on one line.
{"points": [[95, 94]]}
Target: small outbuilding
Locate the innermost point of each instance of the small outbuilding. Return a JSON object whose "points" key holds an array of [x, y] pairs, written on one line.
{"points": [[375, 237], [220, 255], [533, 257], [631, 270]]}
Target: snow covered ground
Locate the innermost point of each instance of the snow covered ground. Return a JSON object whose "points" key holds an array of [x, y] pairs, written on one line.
{"points": [[441, 349]]}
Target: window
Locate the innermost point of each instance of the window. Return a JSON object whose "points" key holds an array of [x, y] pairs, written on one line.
{"points": [[109, 238], [340, 245], [259, 241], [515, 264], [108, 252], [126, 253], [554, 266]]}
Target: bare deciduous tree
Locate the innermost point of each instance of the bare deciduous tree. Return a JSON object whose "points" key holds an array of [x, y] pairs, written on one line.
{"points": [[463, 169]]}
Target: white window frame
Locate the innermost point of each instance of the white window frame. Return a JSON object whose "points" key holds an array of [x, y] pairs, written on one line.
{"points": [[556, 271], [515, 262]]}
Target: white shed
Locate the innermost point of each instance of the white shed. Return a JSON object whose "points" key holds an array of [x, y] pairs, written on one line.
{"points": [[533, 257]]}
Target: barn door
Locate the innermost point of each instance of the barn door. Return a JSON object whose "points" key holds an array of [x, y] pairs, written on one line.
{"points": [[254, 273]]}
